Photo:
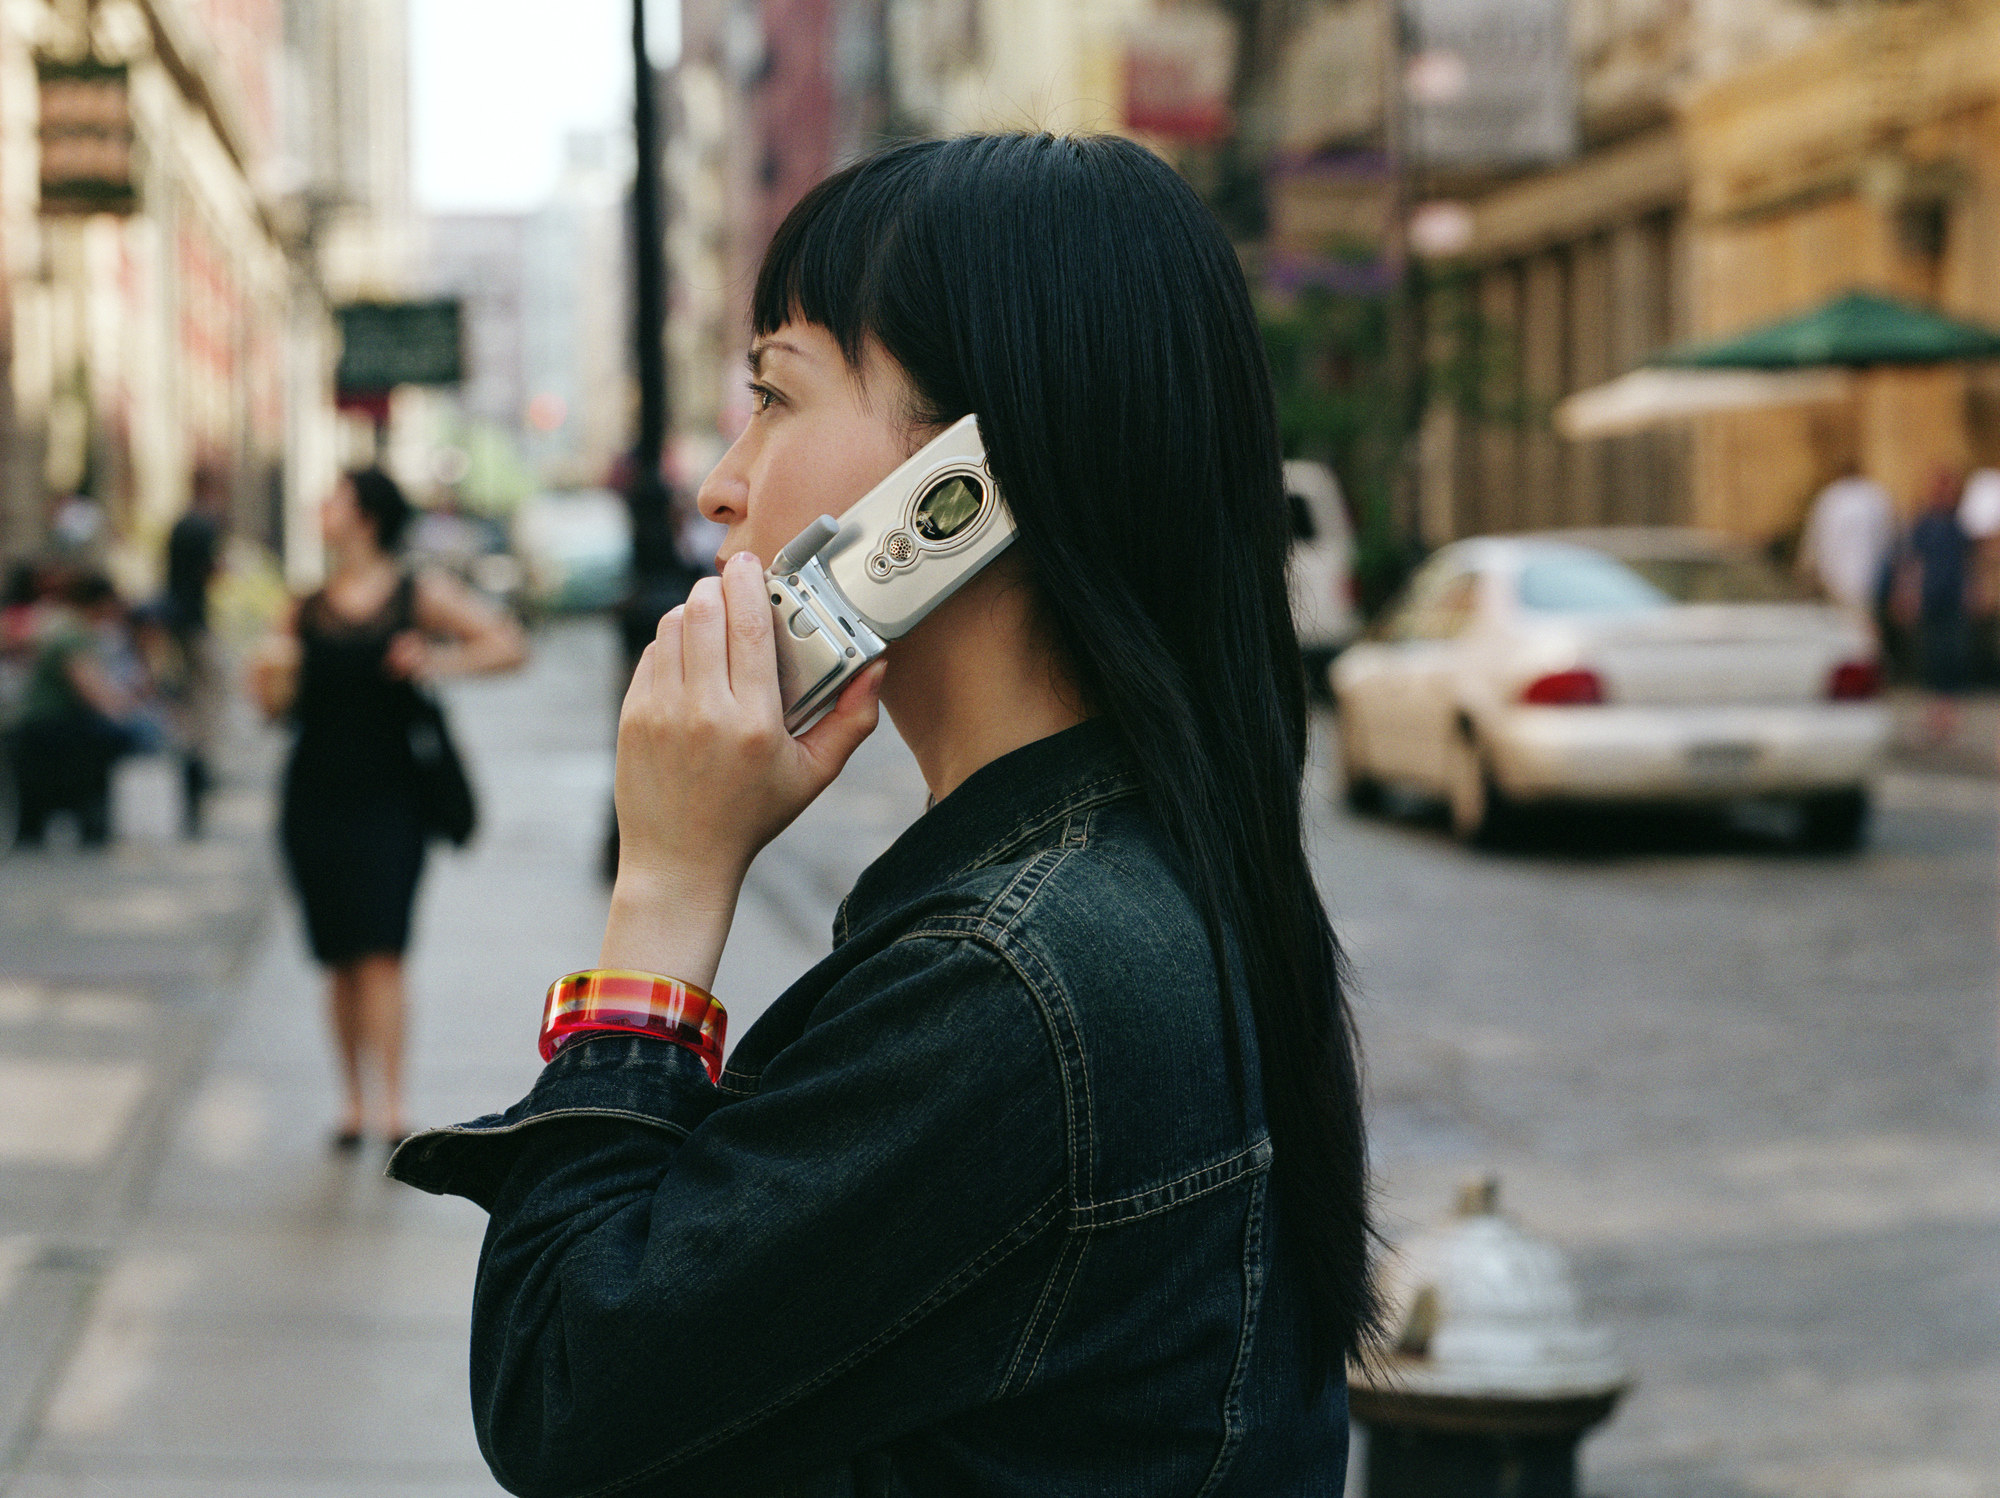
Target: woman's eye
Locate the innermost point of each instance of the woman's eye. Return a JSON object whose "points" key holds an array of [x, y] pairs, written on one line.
{"points": [[762, 397]]}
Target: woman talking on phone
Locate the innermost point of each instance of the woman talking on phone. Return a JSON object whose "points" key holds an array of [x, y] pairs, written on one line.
{"points": [[1050, 1179]]}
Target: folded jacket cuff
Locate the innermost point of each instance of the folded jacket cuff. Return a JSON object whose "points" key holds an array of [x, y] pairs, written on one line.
{"points": [[637, 1079]]}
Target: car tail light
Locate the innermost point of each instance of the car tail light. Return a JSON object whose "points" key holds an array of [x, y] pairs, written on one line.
{"points": [[1854, 681], [1578, 688]]}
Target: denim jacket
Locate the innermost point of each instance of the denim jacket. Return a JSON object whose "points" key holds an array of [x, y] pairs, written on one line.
{"points": [[980, 1206]]}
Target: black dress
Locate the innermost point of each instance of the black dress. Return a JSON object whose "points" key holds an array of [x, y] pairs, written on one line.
{"points": [[353, 836]]}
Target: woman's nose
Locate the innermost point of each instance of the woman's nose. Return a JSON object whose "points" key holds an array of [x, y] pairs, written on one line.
{"points": [[725, 494]]}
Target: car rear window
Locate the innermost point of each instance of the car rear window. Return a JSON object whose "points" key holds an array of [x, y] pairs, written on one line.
{"points": [[1585, 582], [1724, 579]]}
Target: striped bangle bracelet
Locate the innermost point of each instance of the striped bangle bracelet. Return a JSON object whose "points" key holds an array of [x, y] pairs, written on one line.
{"points": [[610, 999]]}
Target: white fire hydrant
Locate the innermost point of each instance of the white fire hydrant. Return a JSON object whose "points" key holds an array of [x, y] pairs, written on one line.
{"points": [[1492, 1378]]}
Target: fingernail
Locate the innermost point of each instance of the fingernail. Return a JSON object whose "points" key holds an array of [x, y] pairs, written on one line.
{"points": [[743, 556]]}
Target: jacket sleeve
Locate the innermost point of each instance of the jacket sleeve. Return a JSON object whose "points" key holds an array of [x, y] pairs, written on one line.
{"points": [[697, 1295]]}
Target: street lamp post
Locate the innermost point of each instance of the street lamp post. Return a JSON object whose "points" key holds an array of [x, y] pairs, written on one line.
{"points": [[648, 259], [660, 579]]}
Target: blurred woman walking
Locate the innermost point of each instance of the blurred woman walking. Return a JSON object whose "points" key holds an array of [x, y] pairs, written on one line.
{"points": [[347, 667]]}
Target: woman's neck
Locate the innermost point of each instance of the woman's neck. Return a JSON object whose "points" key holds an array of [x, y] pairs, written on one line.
{"points": [[977, 680], [357, 560]]}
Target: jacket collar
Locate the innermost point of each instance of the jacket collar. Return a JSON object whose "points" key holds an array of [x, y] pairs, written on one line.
{"points": [[999, 807]]}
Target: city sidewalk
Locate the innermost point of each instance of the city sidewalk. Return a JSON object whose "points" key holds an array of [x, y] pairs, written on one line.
{"points": [[269, 1318], [1973, 748]]}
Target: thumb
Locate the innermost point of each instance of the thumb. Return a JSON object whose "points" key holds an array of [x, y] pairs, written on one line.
{"points": [[831, 741]]}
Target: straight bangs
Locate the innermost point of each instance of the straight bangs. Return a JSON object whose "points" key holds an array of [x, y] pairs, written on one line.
{"points": [[827, 259]]}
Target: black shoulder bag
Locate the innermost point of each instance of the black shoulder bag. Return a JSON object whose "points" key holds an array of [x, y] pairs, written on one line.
{"points": [[445, 803]]}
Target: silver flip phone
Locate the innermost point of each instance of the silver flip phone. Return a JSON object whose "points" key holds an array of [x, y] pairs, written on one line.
{"points": [[843, 589]]}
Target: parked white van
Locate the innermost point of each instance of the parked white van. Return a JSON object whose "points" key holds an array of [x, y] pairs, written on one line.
{"points": [[1322, 574]]}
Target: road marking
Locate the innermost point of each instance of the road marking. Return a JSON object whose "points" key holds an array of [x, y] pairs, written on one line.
{"points": [[66, 1112], [118, 1354], [154, 911], [86, 1008]]}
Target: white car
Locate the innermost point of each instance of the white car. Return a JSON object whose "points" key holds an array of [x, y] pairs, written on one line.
{"points": [[1322, 566], [1620, 665]]}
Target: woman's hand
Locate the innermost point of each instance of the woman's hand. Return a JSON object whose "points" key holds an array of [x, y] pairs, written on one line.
{"points": [[707, 774], [272, 675], [408, 657]]}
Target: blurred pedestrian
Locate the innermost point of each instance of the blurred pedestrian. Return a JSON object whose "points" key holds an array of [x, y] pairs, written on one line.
{"points": [[1979, 518], [347, 668], [1940, 554], [1849, 539], [80, 712], [1050, 1178], [194, 554]]}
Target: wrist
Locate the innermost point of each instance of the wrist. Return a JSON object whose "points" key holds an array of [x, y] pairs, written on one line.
{"points": [[670, 919]]}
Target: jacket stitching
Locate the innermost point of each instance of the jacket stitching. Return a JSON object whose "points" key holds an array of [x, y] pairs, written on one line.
{"points": [[1028, 1327], [1035, 1320], [1195, 1184], [1082, 1240], [1028, 870], [1063, 1039], [1253, 1301], [1069, 1036], [1019, 953], [1089, 794], [997, 1252]]}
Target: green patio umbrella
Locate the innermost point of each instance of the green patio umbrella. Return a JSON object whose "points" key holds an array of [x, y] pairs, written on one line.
{"points": [[1854, 331]]}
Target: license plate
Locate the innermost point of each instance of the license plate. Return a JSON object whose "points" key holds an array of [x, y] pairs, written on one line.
{"points": [[1721, 759]]}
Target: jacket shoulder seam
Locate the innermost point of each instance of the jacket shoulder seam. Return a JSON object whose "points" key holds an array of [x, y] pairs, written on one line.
{"points": [[1064, 1037]]}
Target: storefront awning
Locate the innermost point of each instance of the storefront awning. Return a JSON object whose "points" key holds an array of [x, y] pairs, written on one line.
{"points": [[1854, 331], [1648, 398]]}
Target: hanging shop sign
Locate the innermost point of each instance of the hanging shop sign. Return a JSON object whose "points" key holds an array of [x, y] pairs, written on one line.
{"points": [[1488, 83], [386, 344], [86, 138], [1178, 68]]}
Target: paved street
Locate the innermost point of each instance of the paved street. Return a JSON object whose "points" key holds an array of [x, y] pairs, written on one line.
{"points": [[1749, 1092]]}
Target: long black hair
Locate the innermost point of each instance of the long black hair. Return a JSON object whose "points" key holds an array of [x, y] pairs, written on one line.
{"points": [[1075, 293], [380, 498]]}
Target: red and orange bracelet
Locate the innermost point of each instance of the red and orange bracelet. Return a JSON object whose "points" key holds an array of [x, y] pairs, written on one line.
{"points": [[616, 1001]]}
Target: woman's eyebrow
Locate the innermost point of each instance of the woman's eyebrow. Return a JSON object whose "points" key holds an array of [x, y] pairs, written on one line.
{"points": [[764, 345]]}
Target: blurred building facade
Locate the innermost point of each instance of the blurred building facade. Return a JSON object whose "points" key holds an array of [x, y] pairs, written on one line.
{"points": [[543, 302], [768, 96], [1737, 163], [186, 187]]}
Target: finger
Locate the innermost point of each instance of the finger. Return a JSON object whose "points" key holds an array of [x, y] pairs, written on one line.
{"points": [[665, 674], [704, 643], [832, 740], [753, 658], [641, 684]]}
